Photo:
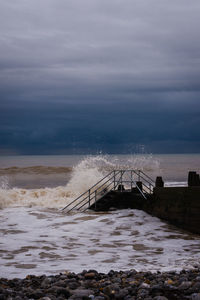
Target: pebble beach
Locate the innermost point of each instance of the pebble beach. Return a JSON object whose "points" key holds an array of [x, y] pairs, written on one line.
{"points": [[99, 286]]}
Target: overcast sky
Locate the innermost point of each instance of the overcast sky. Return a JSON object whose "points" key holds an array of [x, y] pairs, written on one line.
{"points": [[98, 75]]}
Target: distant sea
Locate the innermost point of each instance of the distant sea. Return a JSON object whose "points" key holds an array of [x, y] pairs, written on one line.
{"points": [[37, 237], [53, 170]]}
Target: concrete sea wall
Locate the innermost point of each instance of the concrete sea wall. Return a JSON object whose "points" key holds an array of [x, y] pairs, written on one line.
{"points": [[177, 205]]}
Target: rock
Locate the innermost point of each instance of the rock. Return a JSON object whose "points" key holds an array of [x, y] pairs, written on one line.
{"points": [[131, 273], [73, 285], [111, 273], [121, 294], [45, 283], [108, 291], [90, 275], [51, 297], [36, 294], [60, 283], [143, 293], [185, 285], [62, 291], [144, 286], [169, 282], [106, 283], [117, 280], [196, 287], [156, 287], [63, 276], [160, 298], [82, 293], [115, 287], [195, 296]]}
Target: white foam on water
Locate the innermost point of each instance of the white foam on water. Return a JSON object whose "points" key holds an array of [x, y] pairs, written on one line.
{"points": [[175, 183], [84, 175], [46, 197], [42, 241]]}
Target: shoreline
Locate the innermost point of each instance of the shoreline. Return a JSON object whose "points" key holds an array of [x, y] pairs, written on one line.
{"points": [[99, 286]]}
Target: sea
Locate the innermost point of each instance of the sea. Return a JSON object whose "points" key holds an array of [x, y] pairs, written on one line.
{"points": [[37, 237]]}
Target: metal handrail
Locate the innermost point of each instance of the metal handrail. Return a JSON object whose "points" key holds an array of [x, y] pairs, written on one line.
{"points": [[114, 178], [97, 193], [147, 176], [150, 187], [88, 190], [92, 194]]}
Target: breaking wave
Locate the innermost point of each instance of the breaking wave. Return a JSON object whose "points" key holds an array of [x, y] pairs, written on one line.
{"points": [[84, 175], [34, 170], [4, 182]]}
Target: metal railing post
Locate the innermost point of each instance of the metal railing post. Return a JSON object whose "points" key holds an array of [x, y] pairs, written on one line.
{"points": [[89, 196], [131, 180], [95, 204], [121, 180]]}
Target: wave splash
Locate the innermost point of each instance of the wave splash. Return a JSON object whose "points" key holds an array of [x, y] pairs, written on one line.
{"points": [[34, 170], [4, 183], [84, 175]]}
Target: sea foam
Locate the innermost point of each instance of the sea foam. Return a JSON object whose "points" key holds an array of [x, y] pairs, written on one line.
{"points": [[83, 176]]}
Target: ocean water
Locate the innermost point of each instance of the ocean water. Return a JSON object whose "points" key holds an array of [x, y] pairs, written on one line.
{"points": [[37, 237]]}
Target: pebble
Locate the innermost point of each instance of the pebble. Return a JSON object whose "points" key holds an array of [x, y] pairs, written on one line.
{"points": [[196, 287], [91, 285], [185, 285], [90, 275], [195, 296]]}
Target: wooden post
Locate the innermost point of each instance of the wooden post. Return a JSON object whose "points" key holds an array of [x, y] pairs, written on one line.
{"points": [[159, 182], [193, 179]]}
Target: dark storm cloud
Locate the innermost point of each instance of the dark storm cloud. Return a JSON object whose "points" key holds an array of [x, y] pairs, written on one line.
{"points": [[110, 74]]}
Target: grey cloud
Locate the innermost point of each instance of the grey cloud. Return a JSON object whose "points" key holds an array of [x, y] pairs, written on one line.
{"points": [[133, 56]]}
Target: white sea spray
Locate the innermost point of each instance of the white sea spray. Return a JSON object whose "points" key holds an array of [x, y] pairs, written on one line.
{"points": [[84, 175], [4, 182]]}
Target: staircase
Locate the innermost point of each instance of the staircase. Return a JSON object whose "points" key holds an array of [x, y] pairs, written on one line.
{"points": [[117, 180]]}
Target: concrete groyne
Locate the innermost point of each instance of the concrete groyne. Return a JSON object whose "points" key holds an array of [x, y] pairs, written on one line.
{"points": [[179, 206]]}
